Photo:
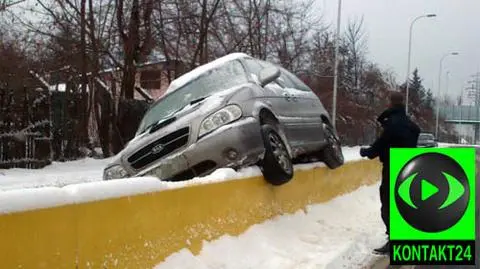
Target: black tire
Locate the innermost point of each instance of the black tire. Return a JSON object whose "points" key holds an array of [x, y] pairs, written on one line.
{"points": [[332, 154], [276, 165]]}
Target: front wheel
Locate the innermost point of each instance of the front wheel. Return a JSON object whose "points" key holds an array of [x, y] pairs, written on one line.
{"points": [[276, 165], [332, 154]]}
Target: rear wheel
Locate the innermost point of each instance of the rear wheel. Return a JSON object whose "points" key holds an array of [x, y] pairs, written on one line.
{"points": [[332, 154], [276, 165]]}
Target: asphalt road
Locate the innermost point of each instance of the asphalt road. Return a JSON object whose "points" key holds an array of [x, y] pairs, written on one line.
{"points": [[383, 263]]}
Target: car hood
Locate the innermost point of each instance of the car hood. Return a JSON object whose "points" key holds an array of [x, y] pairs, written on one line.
{"points": [[426, 141], [203, 108]]}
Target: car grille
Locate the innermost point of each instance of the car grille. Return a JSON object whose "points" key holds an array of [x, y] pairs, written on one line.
{"points": [[166, 145]]}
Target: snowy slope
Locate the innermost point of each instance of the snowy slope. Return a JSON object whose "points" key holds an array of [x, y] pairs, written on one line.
{"points": [[90, 170], [337, 234]]}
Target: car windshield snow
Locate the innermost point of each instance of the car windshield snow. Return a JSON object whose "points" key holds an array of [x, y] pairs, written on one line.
{"points": [[228, 75]]}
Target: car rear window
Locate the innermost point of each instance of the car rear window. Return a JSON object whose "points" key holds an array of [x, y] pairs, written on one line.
{"points": [[425, 136]]}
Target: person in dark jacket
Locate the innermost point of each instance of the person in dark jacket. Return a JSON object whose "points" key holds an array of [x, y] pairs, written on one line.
{"points": [[398, 132]]}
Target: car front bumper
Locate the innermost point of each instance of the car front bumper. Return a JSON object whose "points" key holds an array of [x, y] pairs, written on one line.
{"points": [[234, 145]]}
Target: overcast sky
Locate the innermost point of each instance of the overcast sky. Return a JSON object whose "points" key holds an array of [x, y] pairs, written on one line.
{"points": [[387, 23]]}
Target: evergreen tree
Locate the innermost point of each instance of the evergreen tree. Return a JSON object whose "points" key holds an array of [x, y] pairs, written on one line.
{"points": [[429, 101], [417, 91]]}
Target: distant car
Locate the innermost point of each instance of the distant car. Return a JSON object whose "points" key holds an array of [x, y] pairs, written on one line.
{"points": [[233, 112], [426, 140]]}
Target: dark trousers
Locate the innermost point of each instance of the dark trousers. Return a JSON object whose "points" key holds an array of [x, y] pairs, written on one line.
{"points": [[385, 196]]}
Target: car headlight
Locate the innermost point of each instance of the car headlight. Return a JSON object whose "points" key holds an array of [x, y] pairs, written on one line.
{"points": [[114, 172], [223, 116]]}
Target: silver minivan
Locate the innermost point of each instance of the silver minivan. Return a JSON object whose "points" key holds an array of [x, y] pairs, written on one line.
{"points": [[236, 111]]}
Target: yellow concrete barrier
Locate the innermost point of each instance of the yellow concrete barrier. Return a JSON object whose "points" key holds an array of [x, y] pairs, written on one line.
{"points": [[141, 231], [40, 239]]}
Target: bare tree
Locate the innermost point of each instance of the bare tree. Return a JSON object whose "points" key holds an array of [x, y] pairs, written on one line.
{"points": [[293, 28], [355, 43], [390, 79], [134, 28]]}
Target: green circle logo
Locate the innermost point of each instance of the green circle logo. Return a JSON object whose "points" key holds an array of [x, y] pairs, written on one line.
{"points": [[432, 192]]}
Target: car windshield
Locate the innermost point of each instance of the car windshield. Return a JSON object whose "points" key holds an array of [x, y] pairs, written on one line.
{"points": [[224, 77], [426, 137]]}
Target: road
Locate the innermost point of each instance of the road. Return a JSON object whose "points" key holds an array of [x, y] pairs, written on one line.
{"points": [[384, 262]]}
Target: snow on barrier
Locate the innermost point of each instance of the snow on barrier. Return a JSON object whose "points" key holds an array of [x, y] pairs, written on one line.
{"points": [[138, 222]]}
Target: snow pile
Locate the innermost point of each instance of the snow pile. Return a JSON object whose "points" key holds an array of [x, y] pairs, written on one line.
{"points": [[338, 234], [446, 145], [81, 181], [57, 174], [350, 154], [102, 190], [90, 170], [31, 199]]}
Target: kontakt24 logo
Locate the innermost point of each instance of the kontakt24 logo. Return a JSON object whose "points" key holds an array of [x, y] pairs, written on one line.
{"points": [[432, 206]]}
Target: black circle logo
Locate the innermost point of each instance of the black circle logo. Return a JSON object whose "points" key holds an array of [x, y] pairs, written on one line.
{"points": [[432, 192]]}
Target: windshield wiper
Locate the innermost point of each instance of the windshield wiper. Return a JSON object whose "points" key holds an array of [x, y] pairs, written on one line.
{"points": [[190, 103], [160, 123], [198, 100]]}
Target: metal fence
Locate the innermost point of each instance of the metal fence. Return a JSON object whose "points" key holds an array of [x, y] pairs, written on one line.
{"points": [[25, 128]]}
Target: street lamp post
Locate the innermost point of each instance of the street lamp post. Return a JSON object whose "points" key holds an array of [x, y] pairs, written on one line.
{"points": [[446, 85], [335, 70], [410, 53], [439, 90]]}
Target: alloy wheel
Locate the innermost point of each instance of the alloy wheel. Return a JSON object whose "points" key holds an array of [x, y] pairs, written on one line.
{"points": [[334, 142], [280, 152]]}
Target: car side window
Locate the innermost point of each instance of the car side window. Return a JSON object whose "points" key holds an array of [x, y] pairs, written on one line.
{"points": [[282, 80], [253, 66], [285, 80], [298, 84], [234, 68]]}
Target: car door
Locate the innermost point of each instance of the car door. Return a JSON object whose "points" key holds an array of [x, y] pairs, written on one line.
{"points": [[309, 108], [296, 108], [277, 98]]}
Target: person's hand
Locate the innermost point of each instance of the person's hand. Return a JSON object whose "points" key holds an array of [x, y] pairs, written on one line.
{"points": [[363, 152]]}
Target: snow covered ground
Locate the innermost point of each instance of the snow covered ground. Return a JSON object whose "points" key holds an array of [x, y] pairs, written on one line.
{"points": [[58, 174], [89, 170], [337, 234]]}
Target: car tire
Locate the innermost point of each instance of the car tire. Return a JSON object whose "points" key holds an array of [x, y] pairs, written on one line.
{"points": [[276, 165], [332, 154]]}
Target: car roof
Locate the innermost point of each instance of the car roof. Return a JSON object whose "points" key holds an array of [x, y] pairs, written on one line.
{"points": [[198, 71]]}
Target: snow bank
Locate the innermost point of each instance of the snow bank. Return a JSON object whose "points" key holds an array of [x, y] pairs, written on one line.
{"points": [[350, 154], [102, 190], [337, 234], [31, 199], [58, 174], [81, 181], [446, 145]]}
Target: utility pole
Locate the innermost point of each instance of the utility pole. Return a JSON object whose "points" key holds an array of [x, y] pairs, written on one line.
{"points": [[335, 70]]}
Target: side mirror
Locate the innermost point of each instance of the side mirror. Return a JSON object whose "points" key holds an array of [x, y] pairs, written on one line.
{"points": [[268, 75]]}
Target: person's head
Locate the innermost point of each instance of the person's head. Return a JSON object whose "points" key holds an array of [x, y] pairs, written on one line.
{"points": [[396, 99]]}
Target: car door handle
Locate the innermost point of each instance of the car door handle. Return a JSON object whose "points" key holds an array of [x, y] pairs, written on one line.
{"points": [[290, 97]]}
